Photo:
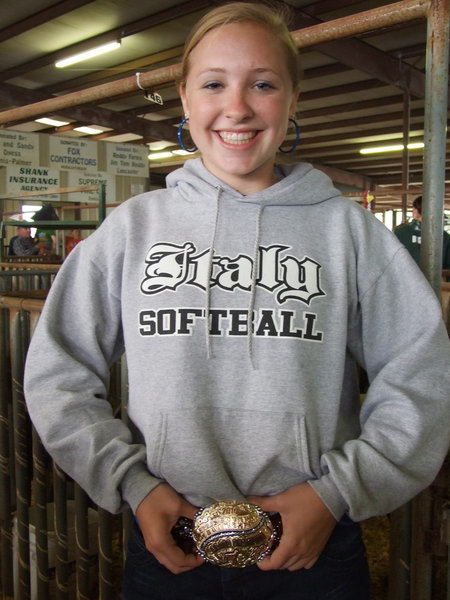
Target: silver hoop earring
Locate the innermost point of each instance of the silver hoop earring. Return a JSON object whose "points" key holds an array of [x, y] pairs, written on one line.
{"points": [[180, 130], [297, 138]]}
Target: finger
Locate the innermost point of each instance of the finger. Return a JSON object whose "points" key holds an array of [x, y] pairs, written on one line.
{"points": [[174, 559], [311, 563], [275, 561]]}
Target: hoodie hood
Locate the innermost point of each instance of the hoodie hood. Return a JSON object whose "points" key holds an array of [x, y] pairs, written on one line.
{"points": [[299, 184]]}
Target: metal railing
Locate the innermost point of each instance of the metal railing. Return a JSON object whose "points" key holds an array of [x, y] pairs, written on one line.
{"points": [[54, 542]]}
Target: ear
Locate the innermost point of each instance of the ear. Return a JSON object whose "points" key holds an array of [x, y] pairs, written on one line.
{"points": [[293, 105], [184, 102]]}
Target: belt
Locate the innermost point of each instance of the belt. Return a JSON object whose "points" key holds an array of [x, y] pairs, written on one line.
{"points": [[229, 533]]}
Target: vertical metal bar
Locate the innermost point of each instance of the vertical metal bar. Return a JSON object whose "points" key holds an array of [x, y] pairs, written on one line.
{"points": [[448, 572], [405, 157], [127, 516], [436, 89], [6, 482], [421, 564], [21, 455], [61, 537], [400, 553], [102, 203], [82, 544], [41, 464], [105, 556]]}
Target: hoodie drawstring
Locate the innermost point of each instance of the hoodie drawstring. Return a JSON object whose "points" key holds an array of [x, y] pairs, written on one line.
{"points": [[255, 272], [210, 271]]}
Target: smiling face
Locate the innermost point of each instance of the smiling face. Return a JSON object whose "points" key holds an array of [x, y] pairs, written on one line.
{"points": [[239, 97]]}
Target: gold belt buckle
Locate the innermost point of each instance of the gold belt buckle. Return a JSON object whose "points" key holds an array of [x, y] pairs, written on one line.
{"points": [[234, 534]]}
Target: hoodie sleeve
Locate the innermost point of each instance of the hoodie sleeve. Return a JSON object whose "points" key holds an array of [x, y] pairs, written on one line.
{"points": [[76, 340], [401, 341]]}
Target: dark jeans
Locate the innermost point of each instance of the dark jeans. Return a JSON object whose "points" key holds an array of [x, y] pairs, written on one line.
{"points": [[341, 573]]}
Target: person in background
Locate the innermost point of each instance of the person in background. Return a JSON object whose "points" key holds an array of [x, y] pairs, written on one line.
{"points": [[46, 238], [243, 295], [410, 234], [73, 240], [22, 243]]}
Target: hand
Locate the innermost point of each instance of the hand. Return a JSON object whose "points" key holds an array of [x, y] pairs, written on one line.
{"points": [[307, 525], [157, 514]]}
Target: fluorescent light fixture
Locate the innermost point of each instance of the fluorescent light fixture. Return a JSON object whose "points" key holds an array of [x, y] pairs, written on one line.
{"points": [[158, 155], [52, 122], [88, 130], [396, 148], [88, 54], [416, 146], [160, 145], [167, 154]]}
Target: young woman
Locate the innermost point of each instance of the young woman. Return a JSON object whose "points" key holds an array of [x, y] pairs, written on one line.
{"points": [[244, 295]]}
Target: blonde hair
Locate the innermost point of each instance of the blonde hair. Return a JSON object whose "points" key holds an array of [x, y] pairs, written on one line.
{"points": [[275, 19]]}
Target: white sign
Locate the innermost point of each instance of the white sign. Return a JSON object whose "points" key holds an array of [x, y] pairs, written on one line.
{"points": [[77, 179], [72, 153], [127, 159], [29, 179], [18, 148]]}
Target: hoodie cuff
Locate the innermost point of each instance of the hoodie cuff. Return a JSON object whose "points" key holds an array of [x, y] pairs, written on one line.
{"points": [[330, 495], [137, 484]]}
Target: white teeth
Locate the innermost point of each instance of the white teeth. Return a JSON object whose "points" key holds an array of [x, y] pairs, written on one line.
{"points": [[236, 138]]}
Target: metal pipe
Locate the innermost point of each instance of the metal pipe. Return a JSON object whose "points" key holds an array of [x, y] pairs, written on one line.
{"points": [[105, 556], [421, 562], [49, 192], [6, 481], [102, 203], [383, 16], [405, 156], [21, 456], [61, 534], [82, 543], [436, 84], [399, 553], [40, 485]]}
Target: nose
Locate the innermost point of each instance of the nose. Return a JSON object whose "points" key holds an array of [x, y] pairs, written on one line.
{"points": [[237, 107]]}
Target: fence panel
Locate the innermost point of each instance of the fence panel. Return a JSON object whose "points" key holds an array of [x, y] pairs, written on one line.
{"points": [[55, 543]]}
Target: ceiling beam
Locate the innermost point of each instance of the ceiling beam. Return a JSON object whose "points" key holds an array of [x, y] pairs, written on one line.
{"points": [[40, 17], [368, 59], [121, 32], [121, 122], [406, 9]]}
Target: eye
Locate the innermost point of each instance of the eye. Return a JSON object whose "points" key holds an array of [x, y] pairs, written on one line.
{"points": [[212, 85], [263, 85]]}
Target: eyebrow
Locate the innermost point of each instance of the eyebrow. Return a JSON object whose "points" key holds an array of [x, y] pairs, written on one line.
{"points": [[222, 70]]}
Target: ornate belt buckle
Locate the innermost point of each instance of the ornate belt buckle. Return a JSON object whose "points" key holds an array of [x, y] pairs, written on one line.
{"points": [[234, 534]]}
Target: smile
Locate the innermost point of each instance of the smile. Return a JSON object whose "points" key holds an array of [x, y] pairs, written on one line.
{"points": [[234, 137]]}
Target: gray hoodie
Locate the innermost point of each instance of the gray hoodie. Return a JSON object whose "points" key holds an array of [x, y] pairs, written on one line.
{"points": [[221, 409]]}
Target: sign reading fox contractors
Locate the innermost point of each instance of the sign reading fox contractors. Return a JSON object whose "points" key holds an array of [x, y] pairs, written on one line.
{"points": [[72, 153]]}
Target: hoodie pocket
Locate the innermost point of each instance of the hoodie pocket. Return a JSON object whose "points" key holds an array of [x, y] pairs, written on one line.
{"points": [[224, 453]]}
